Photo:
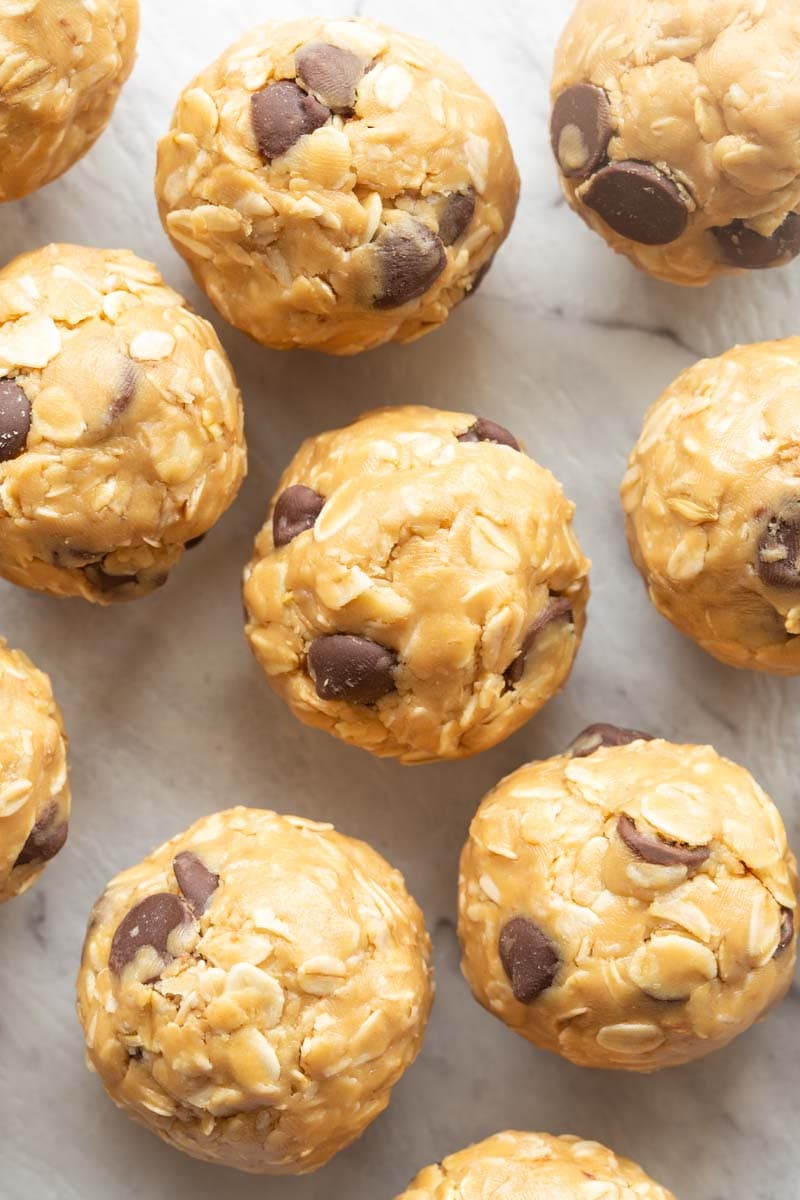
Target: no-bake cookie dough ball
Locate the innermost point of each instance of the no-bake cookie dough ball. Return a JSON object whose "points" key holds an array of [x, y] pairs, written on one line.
{"points": [[63, 67], [534, 1166], [254, 989], [712, 501], [418, 589], [674, 128], [120, 425], [628, 904], [34, 794], [336, 184]]}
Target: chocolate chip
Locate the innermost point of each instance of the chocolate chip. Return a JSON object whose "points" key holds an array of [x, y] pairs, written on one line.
{"points": [[488, 431], [296, 510], [557, 606], [639, 202], [410, 258], [194, 542], [149, 923], [457, 216], [125, 393], [744, 247], [529, 959], [595, 736], [580, 130], [282, 113], [15, 420], [197, 883], [350, 668], [654, 849], [45, 839], [787, 931], [778, 557], [331, 74]]}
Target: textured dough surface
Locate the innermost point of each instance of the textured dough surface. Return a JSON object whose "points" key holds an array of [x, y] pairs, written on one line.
{"points": [[707, 91], [34, 793], [448, 553], [534, 1166], [135, 443], [657, 964], [63, 65], [287, 248], [717, 461], [277, 1021]]}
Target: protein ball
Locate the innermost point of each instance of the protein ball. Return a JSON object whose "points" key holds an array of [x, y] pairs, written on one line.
{"points": [[336, 184], [418, 589], [675, 136], [628, 907], [254, 989], [120, 425], [63, 67], [712, 503], [34, 793], [535, 1166]]}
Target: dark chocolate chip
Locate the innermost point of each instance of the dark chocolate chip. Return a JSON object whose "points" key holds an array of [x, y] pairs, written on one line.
{"points": [[529, 959], [125, 393], [296, 510], [149, 923], [410, 258], [787, 931], [778, 557], [484, 430], [197, 883], [638, 202], [350, 668], [457, 216], [15, 419], [595, 736], [557, 606], [194, 542], [331, 74], [282, 113], [653, 849], [580, 130], [744, 247], [45, 839]]}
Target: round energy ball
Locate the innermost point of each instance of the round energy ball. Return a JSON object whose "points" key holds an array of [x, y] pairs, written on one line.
{"points": [[674, 130], [63, 67], [254, 989], [34, 793], [120, 425], [534, 1166], [417, 589], [629, 904], [712, 504], [335, 184]]}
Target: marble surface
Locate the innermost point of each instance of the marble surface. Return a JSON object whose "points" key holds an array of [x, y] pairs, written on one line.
{"points": [[169, 717]]}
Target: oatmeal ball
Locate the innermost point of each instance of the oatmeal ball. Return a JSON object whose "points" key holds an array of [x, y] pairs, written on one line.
{"points": [[335, 184], [674, 129], [417, 590], [712, 503], [628, 904], [254, 989], [34, 793], [534, 1166], [120, 425], [64, 64]]}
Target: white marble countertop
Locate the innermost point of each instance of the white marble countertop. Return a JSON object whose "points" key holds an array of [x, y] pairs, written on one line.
{"points": [[170, 718]]}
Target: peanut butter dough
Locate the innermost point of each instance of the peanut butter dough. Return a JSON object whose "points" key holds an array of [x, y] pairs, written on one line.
{"points": [[34, 794], [254, 989], [63, 65], [630, 903], [418, 589], [534, 1166], [120, 425], [712, 500], [336, 184], [674, 126]]}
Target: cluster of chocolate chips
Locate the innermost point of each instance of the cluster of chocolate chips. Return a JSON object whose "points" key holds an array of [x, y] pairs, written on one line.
{"points": [[638, 200]]}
